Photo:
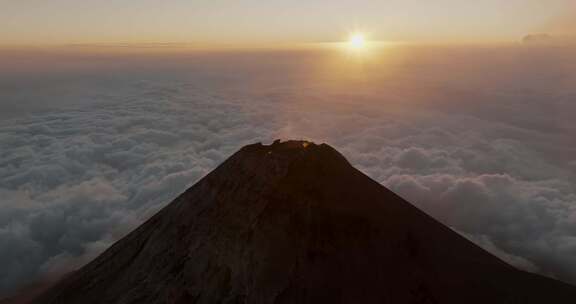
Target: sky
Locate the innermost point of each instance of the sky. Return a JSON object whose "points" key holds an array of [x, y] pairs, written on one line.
{"points": [[92, 143], [245, 22]]}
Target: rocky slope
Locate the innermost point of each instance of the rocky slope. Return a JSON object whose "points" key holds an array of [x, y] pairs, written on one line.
{"points": [[294, 222]]}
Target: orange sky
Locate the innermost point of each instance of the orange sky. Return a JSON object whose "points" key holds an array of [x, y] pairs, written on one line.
{"points": [[220, 22]]}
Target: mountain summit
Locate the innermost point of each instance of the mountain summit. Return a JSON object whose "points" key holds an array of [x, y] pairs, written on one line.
{"points": [[294, 222]]}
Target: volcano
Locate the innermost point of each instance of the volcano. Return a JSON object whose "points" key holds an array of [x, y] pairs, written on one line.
{"points": [[294, 222]]}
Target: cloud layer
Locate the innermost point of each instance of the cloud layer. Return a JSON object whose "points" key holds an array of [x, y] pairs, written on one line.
{"points": [[485, 148]]}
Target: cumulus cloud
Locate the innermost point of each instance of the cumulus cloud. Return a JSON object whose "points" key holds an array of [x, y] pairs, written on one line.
{"points": [[492, 157], [487, 244], [70, 180]]}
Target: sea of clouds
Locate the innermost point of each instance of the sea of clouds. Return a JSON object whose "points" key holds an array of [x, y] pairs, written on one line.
{"points": [[481, 139]]}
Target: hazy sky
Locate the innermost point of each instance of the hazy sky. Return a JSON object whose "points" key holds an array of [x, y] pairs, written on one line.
{"points": [[251, 21]]}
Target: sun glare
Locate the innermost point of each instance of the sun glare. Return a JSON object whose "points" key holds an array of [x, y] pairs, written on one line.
{"points": [[357, 41]]}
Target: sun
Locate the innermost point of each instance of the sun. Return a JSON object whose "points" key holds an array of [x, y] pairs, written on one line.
{"points": [[357, 41]]}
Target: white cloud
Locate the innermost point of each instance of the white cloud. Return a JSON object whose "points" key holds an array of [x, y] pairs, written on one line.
{"points": [[495, 162], [487, 244]]}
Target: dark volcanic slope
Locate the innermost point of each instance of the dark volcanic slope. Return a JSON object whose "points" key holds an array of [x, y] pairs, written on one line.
{"points": [[295, 223]]}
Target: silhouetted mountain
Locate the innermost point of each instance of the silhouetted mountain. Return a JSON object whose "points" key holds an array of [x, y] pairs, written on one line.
{"points": [[294, 222]]}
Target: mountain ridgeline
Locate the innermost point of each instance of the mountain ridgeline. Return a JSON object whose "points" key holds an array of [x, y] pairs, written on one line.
{"points": [[294, 222]]}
